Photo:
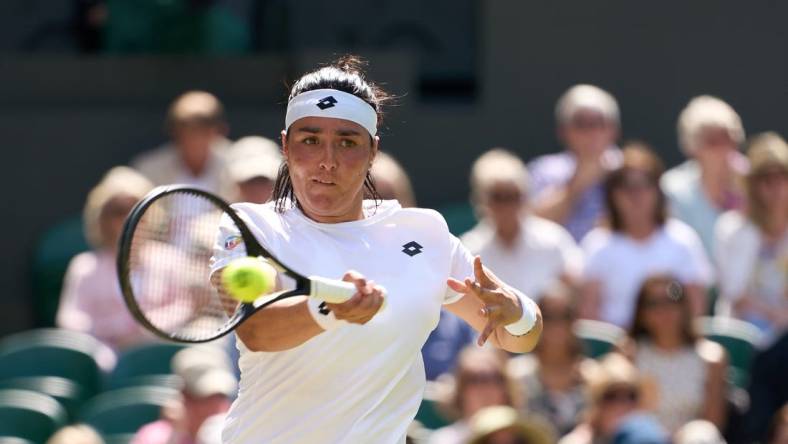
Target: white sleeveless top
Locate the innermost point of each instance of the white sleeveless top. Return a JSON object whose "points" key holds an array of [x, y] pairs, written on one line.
{"points": [[681, 379]]}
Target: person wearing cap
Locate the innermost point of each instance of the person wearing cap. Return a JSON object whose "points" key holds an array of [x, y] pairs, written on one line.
{"points": [[352, 372], [567, 186], [699, 190], [253, 162], [207, 388], [195, 154], [752, 245], [504, 425]]}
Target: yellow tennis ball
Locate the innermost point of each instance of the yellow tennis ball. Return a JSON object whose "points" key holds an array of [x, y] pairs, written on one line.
{"points": [[247, 278]]}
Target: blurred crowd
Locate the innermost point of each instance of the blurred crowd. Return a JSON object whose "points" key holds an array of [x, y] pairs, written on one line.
{"points": [[665, 263]]}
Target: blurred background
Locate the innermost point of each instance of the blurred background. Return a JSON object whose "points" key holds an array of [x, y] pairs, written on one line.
{"points": [[87, 85]]}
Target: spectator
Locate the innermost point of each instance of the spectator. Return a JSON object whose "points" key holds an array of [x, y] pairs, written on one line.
{"points": [[550, 378], [614, 392], [567, 187], [640, 241], [208, 386], [76, 434], [392, 181], [196, 153], [525, 250], [91, 300], [687, 372], [253, 164], [480, 380], [752, 246], [503, 425], [778, 432], [640, 428], [700, 189], [768, 390], [698, 431]]}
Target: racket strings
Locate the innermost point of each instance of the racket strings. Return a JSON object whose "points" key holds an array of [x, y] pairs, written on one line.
{"points": [[169, 268]]}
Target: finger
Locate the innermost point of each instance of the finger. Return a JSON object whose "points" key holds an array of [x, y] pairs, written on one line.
{"points": [[488, 329], [481, 274], [352, 276], [457, 286]]}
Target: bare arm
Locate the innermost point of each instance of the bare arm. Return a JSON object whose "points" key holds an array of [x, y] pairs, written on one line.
{"points": [[488, 305], [286, 324], [717, 365]]}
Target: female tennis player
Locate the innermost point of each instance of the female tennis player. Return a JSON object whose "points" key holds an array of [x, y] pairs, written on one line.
{"points": [[352, 372]]}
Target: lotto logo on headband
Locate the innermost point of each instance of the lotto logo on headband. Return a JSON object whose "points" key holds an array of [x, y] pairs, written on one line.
{"points": [[326, 102]]}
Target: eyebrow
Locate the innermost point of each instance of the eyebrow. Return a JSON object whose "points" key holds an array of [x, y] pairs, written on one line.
{"points": [[318, 130]]}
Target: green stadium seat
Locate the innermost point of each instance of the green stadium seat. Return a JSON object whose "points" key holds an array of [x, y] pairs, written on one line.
{"points": [[54, 352], [65, 391], [459, 216], [740, 340], [51, 256], [147, 364], [29, 415], [598, 337], [429, 415], [124, 411]]}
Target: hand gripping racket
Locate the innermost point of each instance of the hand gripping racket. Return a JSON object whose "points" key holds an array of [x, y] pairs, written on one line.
{"points": [[167, 251]]}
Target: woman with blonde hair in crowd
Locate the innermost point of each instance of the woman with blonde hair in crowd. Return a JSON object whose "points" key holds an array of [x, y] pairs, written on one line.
{"points": [[91, 300], [686, 372], [614, 392], [551, 376], [699, 190], [639, 241], [480, 380], [752, 246]]}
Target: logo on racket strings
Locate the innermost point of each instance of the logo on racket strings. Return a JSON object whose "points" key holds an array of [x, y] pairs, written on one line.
{"points": [[232, 242]]}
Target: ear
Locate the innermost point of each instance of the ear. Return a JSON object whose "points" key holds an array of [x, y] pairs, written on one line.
{"points": [[283, 137]]}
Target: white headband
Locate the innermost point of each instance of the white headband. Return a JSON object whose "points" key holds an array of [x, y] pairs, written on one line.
{"points": [[332, 103]]}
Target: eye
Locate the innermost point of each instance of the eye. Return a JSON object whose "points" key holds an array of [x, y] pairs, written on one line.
{"points": [[347, 143], [311, 140]]}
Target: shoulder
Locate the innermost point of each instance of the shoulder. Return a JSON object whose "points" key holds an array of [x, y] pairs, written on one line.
{"points": [[712, 353], [83, 263], [597, 240], [680, 232], [677, 180], [154, 157], [731, 224], [421, 219], [546, 230]]}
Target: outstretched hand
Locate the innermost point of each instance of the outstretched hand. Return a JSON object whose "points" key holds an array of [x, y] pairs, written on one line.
{"points": [[499, 306]]}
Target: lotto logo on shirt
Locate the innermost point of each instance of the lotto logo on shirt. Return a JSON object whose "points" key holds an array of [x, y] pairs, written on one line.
{"points": [[232, 242]]}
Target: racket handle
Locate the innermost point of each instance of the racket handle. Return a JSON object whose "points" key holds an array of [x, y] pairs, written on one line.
{"points": [[331, 290]]}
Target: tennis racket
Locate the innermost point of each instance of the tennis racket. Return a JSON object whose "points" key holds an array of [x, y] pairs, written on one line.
{"points": [[167, 255]]}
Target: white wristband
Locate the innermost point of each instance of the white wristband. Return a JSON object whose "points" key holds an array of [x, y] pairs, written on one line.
{"points": [[322, 315], [527, 320]]}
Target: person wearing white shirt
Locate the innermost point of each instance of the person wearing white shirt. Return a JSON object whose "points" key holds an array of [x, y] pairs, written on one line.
{"points": [[752, 247], [640, 241], [196, 154], [526, 251], [352, 372]]}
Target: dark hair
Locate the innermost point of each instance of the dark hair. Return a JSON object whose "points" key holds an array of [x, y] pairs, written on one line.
{"points": [[638, 156], [675, 290], [345, 74]]}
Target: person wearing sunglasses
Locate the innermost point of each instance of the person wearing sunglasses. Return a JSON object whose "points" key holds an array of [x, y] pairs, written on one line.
{"points": [[752, 246], [686, 371], [526, 251], [615, 392], [640, 240]]}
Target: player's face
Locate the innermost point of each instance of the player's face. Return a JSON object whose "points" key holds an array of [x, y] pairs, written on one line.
{"points": [[328, 160]]}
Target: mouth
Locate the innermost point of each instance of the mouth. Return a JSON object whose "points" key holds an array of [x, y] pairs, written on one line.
{"points": [[323, 182]]}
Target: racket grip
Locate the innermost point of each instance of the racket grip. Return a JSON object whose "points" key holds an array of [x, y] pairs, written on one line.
{"points": [[331, 290]]}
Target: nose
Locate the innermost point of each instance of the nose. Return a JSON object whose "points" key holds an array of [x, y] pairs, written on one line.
{"points": [[329, 159]]}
